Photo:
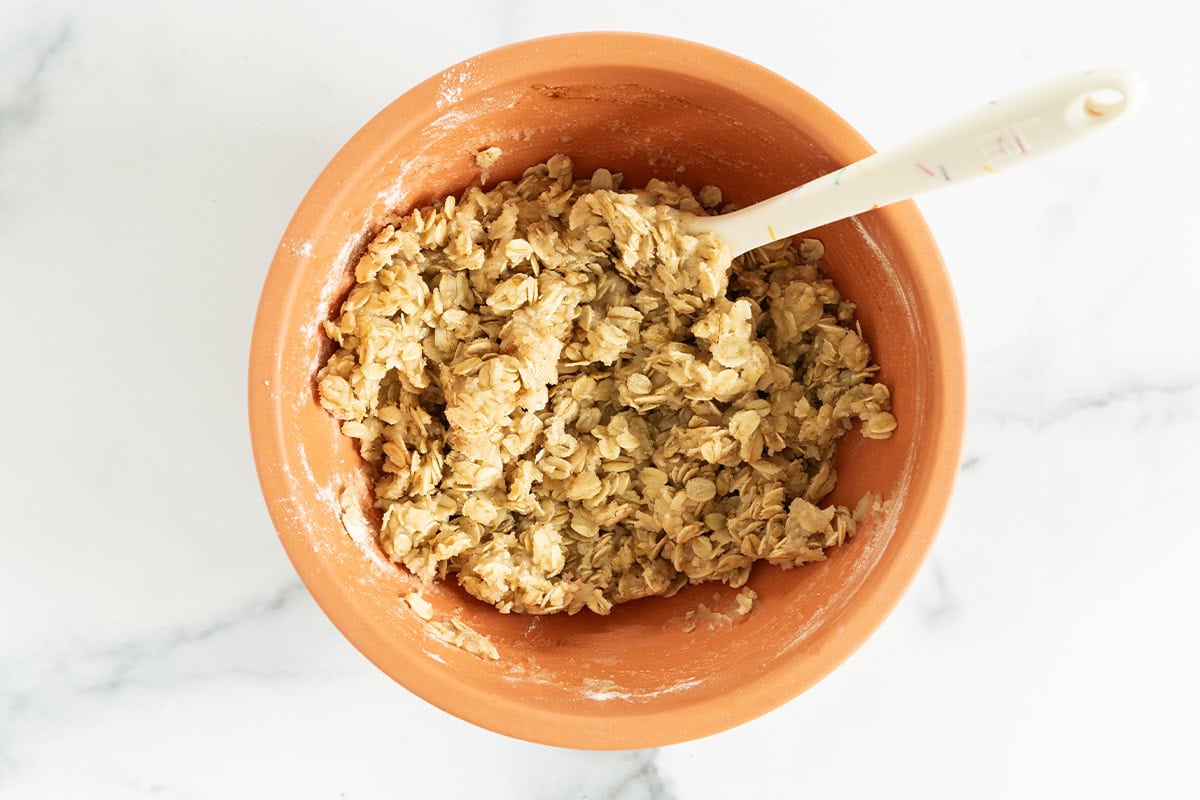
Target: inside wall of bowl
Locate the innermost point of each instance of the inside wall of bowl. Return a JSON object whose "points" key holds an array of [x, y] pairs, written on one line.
{"points": [[640, 124]]}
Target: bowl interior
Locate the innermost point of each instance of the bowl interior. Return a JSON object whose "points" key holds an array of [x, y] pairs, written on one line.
{"points": [[647, 107]]}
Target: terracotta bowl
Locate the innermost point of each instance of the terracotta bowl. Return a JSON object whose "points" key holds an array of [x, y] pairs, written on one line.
{"points": [[647, 106]]}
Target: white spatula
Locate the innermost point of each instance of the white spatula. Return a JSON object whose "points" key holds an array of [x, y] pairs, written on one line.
{"points": [[1003, 134]]}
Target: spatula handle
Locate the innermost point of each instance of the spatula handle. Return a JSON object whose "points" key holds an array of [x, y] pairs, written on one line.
{"points": [[1003, 134]]}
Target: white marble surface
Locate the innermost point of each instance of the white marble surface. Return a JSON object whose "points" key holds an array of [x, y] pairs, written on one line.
{"points": [[154, 641]]}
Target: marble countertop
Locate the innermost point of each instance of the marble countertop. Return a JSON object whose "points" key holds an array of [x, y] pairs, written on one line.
{"points": [[154, 640]]}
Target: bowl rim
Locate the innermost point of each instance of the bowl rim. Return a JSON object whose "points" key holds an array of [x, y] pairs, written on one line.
{"points": [[864, 612]]}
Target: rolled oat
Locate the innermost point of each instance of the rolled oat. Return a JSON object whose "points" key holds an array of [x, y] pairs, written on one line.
{"points": [[571, 403]]}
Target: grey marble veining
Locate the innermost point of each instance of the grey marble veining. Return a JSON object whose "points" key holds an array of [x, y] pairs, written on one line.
{"points": [[120, 664], [26, 61], [1178, 394], [645, 781], [39, 689]]}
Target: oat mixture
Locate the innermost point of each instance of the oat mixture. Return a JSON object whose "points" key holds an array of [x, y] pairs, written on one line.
{"points": [[571, 403]]}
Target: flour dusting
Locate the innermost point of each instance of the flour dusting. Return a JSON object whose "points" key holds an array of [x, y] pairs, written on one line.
{"points": [[454, 81]]}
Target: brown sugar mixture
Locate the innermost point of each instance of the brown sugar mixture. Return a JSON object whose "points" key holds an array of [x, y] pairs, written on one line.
{"points": [[571, 403]]}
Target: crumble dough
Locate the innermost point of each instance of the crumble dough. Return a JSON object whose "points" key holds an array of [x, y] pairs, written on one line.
{"points": [[572, 403]]}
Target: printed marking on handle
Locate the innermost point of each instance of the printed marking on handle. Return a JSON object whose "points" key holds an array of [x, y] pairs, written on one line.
{"points": [[1009, 141], [941, 171]]}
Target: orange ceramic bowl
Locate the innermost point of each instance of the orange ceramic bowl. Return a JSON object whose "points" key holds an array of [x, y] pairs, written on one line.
{"points": [[647, 106]]}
